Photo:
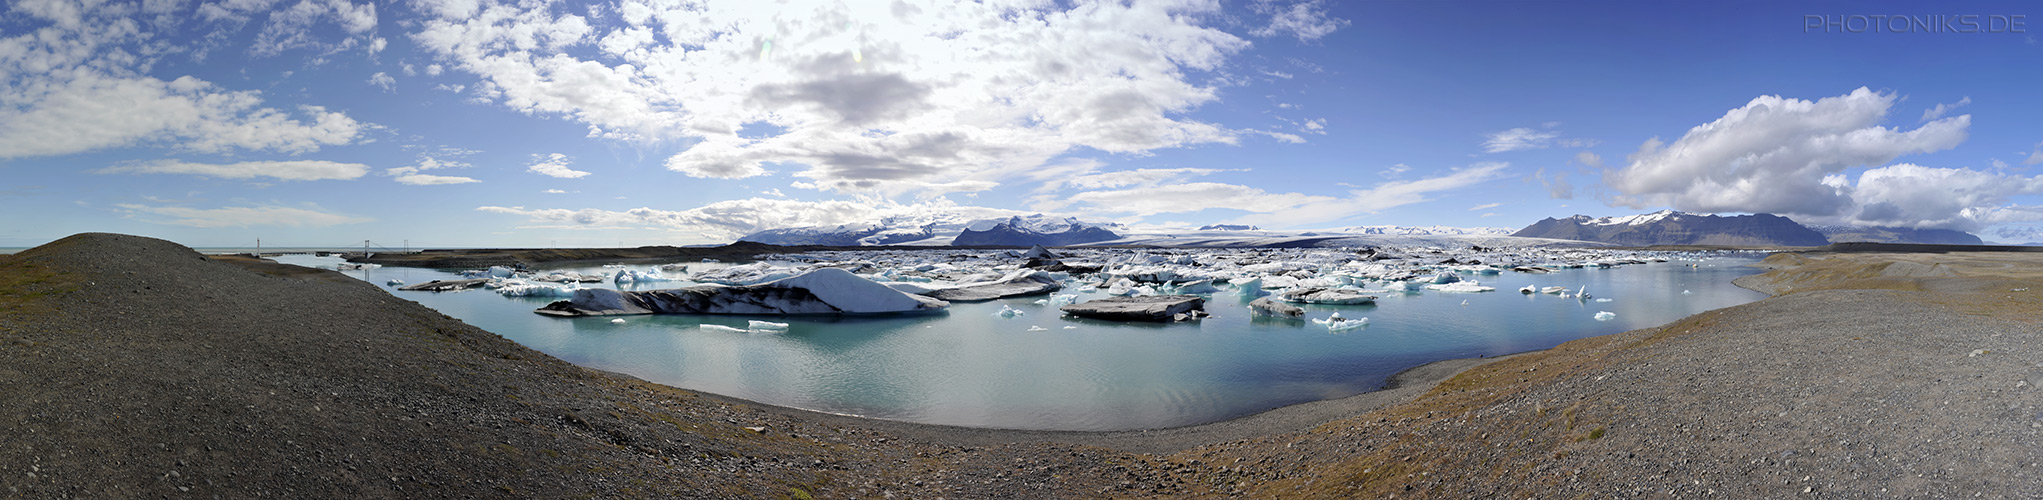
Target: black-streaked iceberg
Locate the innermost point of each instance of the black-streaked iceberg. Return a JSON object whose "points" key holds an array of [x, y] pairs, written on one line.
{"points": [[820, 291]]}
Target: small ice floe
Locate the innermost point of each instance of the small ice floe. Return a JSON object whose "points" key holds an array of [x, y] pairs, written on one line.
{"points": [[1034, 328], [1464, 302], [1009, 312], [1063, 299], [1336, 323], [1686, 292], [1460, 287], [722, 328], [1553, 290], [618, 321], [1603, 299], [394, 282], [1529, 289], [765, 326], [1605, 315], [1071, 328]]}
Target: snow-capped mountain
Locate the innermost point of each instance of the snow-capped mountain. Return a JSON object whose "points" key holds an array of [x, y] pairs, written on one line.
{"points": [[937, 230], [1038, 229], [1669, 227]]}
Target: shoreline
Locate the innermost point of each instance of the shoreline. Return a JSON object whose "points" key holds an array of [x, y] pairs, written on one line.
{"points": [[1401, 387]]}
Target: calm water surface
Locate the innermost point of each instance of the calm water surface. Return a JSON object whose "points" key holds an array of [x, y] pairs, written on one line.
{"points": [[968, 367]]}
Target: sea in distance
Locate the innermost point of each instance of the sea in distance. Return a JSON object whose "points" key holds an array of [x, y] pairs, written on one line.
{"points": [[972, 366]]}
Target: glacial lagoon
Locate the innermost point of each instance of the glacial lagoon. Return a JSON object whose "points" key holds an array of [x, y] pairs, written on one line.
{"points": [[1040, 370]]}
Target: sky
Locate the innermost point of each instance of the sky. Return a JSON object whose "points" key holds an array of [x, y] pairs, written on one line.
{"points": [[466, 123]]}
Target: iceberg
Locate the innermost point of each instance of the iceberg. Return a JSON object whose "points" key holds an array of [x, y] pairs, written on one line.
{"points": [[500, 271], [1461, 287], [1009, 312], [1529, 289], [1143, 308], [1019, 283], [1341, 296], [762, 326], [1336, 323], [821, 291], [1605, 315], [1273, 308]]}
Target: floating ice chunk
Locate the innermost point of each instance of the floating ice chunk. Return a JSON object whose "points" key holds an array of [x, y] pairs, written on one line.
{"points": [[1195, 287], [1464, 302], [1461, 287], [618, 321], [1033, 328], [1529, 289], [1336, 323], [722, 328], [1071, 328], [765, 326], [1553, 290], [1009, 312], [1686, 292], [519, 288], [1603, 299], [1605, 315], [395, 282], [1252, 287], [1063, 299], [500, 271]]}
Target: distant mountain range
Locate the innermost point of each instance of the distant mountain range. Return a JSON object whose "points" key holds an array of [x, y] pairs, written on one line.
{"points": [[1030, 230], [1021, 231], [1669, 227], [1876, 234]]}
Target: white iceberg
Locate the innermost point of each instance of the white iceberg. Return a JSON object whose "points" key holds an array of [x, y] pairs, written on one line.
{"points": [[1460, 287], [763, 326], [1009, 312], [1337, 323], [822, 291], [1605, 316]]}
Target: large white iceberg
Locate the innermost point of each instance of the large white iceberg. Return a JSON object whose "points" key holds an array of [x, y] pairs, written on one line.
{"points": [[821, 291]]}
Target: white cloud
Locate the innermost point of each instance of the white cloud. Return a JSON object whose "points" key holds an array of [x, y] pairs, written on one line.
{"points": [[554, 191], [1558, 186], [289, 170], [1307, 20], [432, 180], [727, 220], [384, 81], [293, 26], [1485, 206], [1908, 195], [1518, 139], [1777, 155], [1939, 110], [239, 216], [861, 96], [1589, 159], [1191, 197], [1380, 197], [1395, 170], [2036, 156], [81, 84], [555, 165]]}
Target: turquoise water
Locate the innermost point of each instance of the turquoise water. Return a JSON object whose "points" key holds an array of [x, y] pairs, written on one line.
{"points": [[967, 367]]}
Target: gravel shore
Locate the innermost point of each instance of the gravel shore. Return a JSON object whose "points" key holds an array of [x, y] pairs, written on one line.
{"points": [[133, 367]]}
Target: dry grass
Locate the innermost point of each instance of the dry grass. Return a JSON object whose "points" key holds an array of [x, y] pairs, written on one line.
{"points": [[2004, 285]]}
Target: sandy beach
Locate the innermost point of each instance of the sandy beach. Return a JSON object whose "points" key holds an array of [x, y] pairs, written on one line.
{"points": [[136, 367]]}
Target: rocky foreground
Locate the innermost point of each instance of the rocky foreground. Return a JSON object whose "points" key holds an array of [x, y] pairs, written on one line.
{"points": [[134, 367]]}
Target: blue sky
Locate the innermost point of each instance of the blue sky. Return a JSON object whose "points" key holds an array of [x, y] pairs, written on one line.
{"points": [[478, 123]]}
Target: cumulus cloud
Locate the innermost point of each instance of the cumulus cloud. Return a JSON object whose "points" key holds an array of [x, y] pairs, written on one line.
{"points": [[726, 220], [1773, 155], [383, 81], [555, 165], [268, 215], [1790, 157], [860, 96], [1557, 186], [2036, 156], [1306, 20], [78, 83], [289, 170], [1909, 195]]}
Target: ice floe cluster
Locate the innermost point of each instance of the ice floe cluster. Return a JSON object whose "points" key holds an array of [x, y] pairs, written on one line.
{"points": [[1141, 284]]}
